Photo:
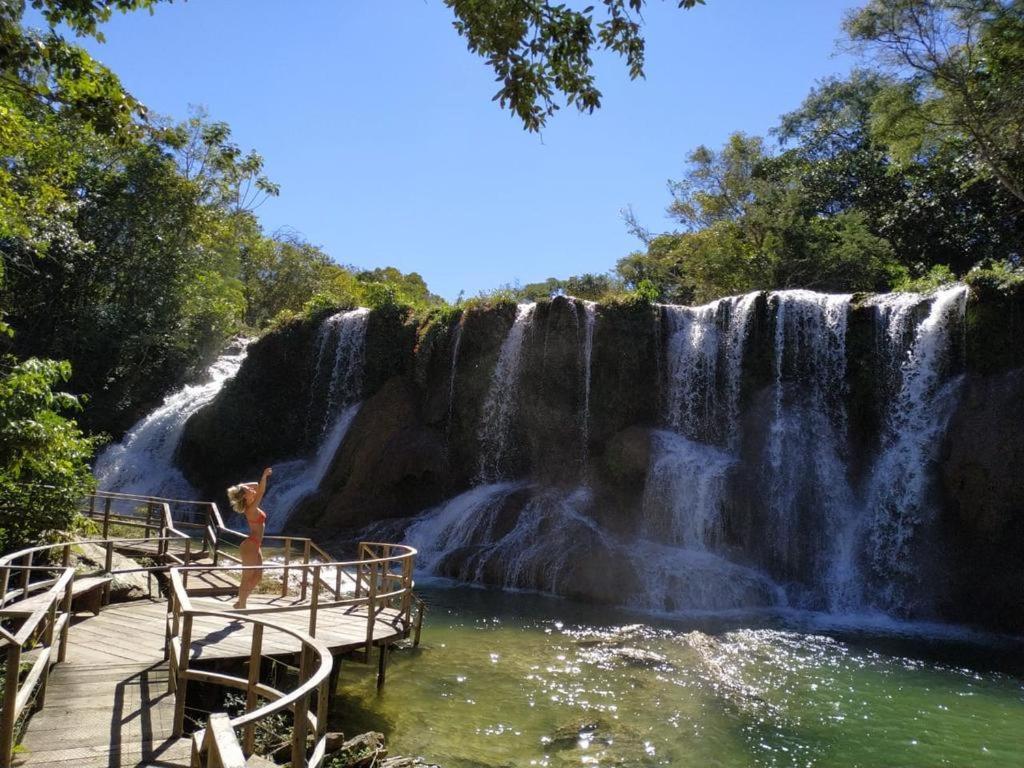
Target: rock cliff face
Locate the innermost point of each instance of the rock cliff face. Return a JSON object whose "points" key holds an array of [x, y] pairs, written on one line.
{"points": [[838, 453]]}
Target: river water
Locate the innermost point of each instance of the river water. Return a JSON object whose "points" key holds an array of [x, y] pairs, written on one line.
{"points": [[514, 679]]}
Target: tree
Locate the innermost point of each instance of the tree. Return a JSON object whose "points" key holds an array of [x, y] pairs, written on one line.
{"points": [[958, 75], [44, 469], [539, 49]]}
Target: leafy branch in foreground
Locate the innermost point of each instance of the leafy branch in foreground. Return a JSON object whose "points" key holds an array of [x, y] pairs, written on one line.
{"points": [[540, 49]]}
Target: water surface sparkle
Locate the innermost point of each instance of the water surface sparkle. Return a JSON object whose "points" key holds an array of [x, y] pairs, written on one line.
{"points": [[515, 679]]}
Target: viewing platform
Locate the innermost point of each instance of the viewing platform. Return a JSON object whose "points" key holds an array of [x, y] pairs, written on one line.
{"points": [[111, 689]]}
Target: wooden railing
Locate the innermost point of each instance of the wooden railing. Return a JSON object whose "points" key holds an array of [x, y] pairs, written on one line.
{"points": [[307, 702], [36, 635], [380, 579]]}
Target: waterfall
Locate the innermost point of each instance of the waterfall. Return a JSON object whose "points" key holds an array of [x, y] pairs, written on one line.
{"points": [[519, 536], [900, 498], [337, 378], [456, 345], [589, 320], [692, 370], [143, 462], [682, 501], [809, 496], [704, 368], [499, 408], [336, 391]]}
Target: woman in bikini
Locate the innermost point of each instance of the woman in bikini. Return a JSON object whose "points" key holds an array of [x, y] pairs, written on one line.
{"points": [[245, 499]]}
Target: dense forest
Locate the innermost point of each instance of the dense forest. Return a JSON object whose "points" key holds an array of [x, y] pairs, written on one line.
{"points": [[132, 249]]}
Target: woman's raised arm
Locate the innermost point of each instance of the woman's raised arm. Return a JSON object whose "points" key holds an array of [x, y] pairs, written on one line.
{"points": [[262, 487]]}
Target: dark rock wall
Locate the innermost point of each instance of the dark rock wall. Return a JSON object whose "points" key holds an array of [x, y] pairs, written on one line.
{"points": [[415, 440]]}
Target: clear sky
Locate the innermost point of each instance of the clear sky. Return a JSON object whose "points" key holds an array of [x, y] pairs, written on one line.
{"points": [[378, 123]]}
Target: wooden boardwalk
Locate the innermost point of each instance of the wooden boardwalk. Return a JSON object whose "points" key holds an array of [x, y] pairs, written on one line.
{"points": [[104, 716], [97, 690], [108, 706]]}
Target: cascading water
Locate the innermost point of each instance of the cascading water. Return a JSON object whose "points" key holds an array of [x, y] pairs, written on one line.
{"points": [[143, 462], [456, 346], [692, 370], [900, 495], [500, 405], [519, 536], [335, 395], [805, 466], [683, 493], [704, 368], [589, 321]]}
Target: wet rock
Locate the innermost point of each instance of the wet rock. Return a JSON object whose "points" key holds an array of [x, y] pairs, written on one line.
{"points": [[627, 455], [982, 476], [362, 751], [254, 420], [406, 762], [579, 734], [388, 465], [90, 558]]}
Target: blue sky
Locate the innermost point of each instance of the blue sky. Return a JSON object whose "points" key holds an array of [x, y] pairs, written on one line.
{"points": [[378, 124]]}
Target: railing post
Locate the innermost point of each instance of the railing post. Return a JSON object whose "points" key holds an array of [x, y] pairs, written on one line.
{"points": [[181, 685], [419, 625], [51, 620], [407, 592], [4, 579], [171, 630], [314, 601], [371, 606], [249, 730], [8, 717], [62, 652], [305, 571], [26, 575], [188, 561], [108, 566], [300, 725], [287, 561], [106, 518]]}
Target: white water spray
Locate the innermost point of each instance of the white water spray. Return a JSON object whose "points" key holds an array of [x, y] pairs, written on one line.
{"points": [[336, 392], [499, 408], [899, 499], [143, 462]]}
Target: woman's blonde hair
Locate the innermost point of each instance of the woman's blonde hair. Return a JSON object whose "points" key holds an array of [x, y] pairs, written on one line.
{"points": [[236, 495]]}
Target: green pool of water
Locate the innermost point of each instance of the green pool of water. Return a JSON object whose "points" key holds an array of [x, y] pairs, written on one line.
{"points": [[519, 680]]}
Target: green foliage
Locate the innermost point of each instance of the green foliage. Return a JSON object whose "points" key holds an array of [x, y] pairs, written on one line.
{"points": [[936, 277], [540, 49], [1003, 277], [319, 303], [43, 455], [586, 286], [380, 295], [647, 291], [840, 206], [959, 79]]}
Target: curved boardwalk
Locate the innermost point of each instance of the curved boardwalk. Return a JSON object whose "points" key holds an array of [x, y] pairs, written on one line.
{"points": [[110, 689], [108, 704]]}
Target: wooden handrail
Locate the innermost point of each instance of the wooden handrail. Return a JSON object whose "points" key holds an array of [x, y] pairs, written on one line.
{"points": [[312, 679], [382, 575], [55, 611]]}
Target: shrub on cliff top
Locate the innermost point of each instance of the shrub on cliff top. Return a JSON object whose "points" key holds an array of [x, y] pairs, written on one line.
{"points": [[997, 276]]}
